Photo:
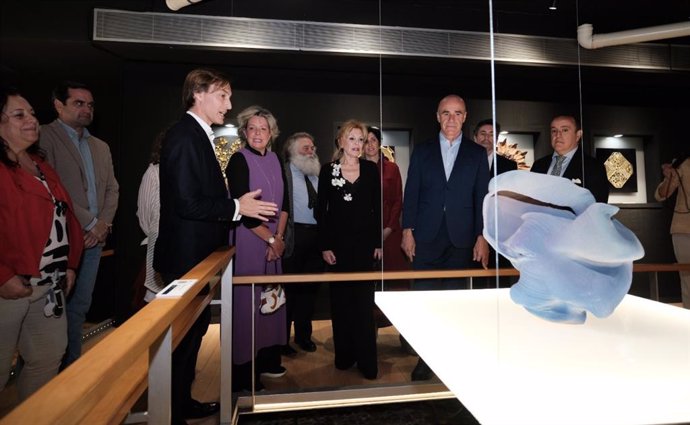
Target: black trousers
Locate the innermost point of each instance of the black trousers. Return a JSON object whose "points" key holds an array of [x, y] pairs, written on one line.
{"points": [[300, 297], [184, 359], [354, 330], [352, 311]]}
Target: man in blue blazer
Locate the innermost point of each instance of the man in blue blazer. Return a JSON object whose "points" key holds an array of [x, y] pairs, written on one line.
{"points": [[195, 215], [442, 209], [582, 169]]}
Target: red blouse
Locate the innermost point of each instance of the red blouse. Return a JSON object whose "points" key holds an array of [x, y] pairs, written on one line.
{"points": [[392, 193], [26, 219]]}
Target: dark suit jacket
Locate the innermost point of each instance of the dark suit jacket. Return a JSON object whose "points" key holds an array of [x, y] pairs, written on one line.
{"points": [[594, 178], [195, 208], [504, 165], [428, 196]]}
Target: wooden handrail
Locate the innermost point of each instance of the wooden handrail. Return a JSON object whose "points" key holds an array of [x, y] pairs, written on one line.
{"points": [[69, 397], [420, 274], [662, 267]]}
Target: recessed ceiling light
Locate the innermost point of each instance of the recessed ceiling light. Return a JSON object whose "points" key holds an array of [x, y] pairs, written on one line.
{"points": [[617, 135]]}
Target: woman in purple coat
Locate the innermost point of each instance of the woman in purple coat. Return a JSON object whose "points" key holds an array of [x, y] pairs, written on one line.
{"points": [[259, 247]]}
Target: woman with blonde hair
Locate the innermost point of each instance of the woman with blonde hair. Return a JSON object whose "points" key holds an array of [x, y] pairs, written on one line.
{"points": [[259, 248], [349, 225]]}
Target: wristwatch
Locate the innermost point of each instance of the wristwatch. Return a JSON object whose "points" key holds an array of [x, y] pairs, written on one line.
{"points": [[271, 240]]}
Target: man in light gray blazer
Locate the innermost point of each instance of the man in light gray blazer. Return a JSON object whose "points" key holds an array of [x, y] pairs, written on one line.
{"points": [[85, 167]]}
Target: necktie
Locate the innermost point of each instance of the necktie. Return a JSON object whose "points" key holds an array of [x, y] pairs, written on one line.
{"points": [[311, 192], [557, 167]]}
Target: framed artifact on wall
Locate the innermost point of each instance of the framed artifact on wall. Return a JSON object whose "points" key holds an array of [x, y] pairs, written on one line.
{"points": [[621, 167]]}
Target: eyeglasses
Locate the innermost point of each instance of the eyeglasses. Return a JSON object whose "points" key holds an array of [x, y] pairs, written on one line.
{"points": [[20, 115]]}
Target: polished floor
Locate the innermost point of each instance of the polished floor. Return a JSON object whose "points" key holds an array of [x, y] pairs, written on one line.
{"points": [[309, 371]]}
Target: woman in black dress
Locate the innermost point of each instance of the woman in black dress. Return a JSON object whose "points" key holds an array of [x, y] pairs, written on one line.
{"points": [[349, 223]]}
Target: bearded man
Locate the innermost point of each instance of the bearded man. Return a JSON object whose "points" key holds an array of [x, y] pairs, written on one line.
{"points": [[302, 253]]}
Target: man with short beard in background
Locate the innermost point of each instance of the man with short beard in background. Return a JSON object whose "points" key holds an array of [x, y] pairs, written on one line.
{"points": [[302, 253]]}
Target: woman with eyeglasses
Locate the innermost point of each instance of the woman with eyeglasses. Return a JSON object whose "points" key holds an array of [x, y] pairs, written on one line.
{"points": [[41, 243]]}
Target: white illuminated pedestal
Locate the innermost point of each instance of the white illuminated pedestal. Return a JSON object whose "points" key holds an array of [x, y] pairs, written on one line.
{"points": [[510, 367]]}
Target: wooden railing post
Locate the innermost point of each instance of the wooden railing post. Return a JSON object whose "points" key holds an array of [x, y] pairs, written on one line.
{"points": [[160, 379]]}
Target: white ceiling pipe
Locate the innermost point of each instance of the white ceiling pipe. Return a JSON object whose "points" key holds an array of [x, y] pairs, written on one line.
{"points": [[660, 32], [179, 4]]}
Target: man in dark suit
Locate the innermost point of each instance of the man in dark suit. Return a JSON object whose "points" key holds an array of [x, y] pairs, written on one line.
{"points": [[195, 215], [484, 137], [569, 161], [442, 208]]}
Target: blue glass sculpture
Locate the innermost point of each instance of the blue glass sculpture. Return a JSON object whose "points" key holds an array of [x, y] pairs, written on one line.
{"points": [[573, 257]]}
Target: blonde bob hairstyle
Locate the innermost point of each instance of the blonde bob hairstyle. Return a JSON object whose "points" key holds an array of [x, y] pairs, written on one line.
{"points": [[257, 111], [343, 132]]}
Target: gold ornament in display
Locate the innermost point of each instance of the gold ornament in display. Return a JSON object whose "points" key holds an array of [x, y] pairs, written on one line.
{"points": [[512, 153], [618, 169], [224, 149], [388, 152]]}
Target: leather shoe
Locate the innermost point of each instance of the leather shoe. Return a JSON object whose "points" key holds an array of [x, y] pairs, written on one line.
{"points": [[287, 350], [307, 345], [275, 372], [196, 409], [421, 372], [369, 373]]}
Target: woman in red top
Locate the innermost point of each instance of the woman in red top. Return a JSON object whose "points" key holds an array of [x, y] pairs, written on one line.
{"points": [[41, 243], [393, 257], [391, 189]]}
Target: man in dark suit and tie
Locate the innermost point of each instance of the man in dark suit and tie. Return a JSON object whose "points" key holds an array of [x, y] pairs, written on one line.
{"points": [[195, 215], [484, 137], [569, 161], [442, 208]]}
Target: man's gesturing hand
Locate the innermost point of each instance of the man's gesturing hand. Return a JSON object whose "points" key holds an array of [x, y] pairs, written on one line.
{"points": [[252, 207]]}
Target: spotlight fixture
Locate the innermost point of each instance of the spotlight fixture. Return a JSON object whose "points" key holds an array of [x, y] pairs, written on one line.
{"points": [[179, 4], [553, 5]]}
